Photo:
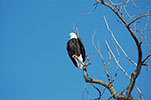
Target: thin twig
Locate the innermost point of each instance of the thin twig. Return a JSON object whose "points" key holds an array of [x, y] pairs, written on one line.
{"points": [[77, 31], [88, 61], [146, 58], [99, 52], [127, 12], [109, 60], [135, 27], [147, 43], [98, 91], [115, 5], [96, 5], [110, 97], [141, 36], [147, 20], [138, 18], [140, 93], [74, 28], [136, 6]]}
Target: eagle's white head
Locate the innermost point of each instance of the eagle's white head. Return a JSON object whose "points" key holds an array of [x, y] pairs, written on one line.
{"points": [[73, 35]]}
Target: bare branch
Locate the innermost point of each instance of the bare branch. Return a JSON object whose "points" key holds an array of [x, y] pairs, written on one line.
{"points": [[85, 89], [136, 6], [118, 58], [117, 61], [85, 65], [103, 91], [147, 20], [141, 36], [117, 9], [110, 60], [140, 93], [96, 5], [123, 20], [135, 74], [96, 48], [147, 44], [77, 31], [115, 5], [127, 12], [88, 61], [117, 42], [74, 28], [146, 58], [144, 62], [134, 27], [138, 18], [99, 52], [110, 97], [130, 18], [106, 96], [108, 86]]}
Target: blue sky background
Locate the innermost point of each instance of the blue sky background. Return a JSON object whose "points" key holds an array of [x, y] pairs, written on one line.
{"points": [[34, 64]]}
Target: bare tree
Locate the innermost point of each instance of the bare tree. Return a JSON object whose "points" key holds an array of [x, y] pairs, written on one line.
{"points": [[120, 10]]}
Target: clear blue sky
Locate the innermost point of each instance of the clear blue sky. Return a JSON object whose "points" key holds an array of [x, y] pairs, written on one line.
{"points": [[34, 64]]}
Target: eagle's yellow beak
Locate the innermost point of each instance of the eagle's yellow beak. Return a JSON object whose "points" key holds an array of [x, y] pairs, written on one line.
{"points": [[71, 34]]}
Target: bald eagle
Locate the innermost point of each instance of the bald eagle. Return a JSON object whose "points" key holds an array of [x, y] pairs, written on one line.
{"points": [[76, 50]]}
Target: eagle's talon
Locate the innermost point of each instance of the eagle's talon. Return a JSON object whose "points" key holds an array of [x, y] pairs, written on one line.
{"points": [[74, 56]]}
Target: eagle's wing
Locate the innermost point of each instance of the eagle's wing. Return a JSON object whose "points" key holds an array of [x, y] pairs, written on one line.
{"points": [[82, 48]]}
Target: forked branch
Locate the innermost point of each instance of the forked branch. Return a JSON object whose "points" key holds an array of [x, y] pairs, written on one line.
{"points": [[105, 84], [135, 74], [117, 9]]}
